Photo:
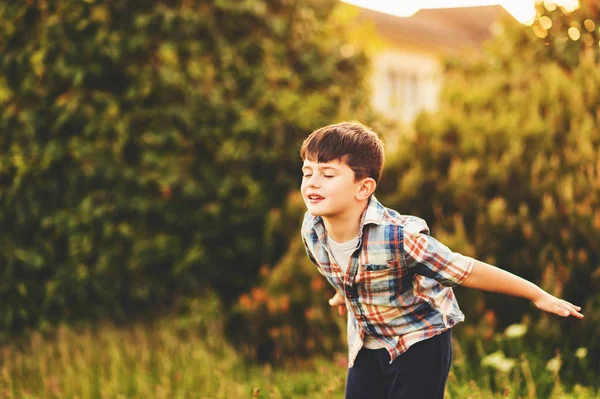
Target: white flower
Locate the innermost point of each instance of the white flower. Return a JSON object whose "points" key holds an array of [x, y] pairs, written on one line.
{"points": [[515, 331], [581, 353], [554, 365], [499, 362]]}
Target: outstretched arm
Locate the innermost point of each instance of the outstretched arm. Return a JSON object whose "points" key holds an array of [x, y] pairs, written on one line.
{"points": [[490, 278]]}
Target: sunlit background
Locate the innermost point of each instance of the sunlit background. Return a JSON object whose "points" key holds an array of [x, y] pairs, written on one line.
{"points": [[149, 187], [522, 10]]}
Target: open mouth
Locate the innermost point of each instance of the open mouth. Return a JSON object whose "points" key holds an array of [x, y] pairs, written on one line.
{"points": [[315, 197]]}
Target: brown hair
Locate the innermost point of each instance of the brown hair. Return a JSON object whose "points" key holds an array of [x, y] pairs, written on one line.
{"points": [[351, 142]]}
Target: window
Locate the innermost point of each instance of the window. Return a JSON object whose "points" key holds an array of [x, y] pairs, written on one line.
{"points": [[405, 93]]}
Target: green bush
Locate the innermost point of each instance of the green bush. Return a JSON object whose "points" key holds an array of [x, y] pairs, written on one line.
{"points": [[507, 170], [287, 315], [144, 143]]}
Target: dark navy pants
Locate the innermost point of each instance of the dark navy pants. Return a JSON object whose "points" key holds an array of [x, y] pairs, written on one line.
{"points": [[419, 373]]}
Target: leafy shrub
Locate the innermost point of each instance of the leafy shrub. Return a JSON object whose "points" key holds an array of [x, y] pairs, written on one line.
{"points": [[144, 143], [287, 316], [507, 170]]}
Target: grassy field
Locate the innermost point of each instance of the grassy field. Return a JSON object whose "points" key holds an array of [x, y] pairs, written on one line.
{"points": [[177, 359]]}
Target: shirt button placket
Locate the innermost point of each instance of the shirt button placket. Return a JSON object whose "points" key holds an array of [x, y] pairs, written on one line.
{"points": [[349, 292]]}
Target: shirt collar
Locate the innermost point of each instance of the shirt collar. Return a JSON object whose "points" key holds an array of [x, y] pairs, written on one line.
{"points": [[373, 214]]}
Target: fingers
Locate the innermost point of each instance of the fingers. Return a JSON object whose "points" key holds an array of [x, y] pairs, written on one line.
{"points": [[573, 310], [559, 307], [566, 309], [570, 309], [338, 300], [335, 301], [341, 308]]}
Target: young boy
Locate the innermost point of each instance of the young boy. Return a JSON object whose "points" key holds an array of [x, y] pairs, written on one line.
{"points": [[393, 278]]}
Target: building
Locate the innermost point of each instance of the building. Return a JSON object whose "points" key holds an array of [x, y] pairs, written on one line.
{"points": [[407, 71]]}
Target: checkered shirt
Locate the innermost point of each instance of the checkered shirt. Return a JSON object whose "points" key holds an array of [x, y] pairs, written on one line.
{"points": [[398, 282]]}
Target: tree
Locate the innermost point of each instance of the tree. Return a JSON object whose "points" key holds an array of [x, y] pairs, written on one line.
{"points": [[144, 143]]}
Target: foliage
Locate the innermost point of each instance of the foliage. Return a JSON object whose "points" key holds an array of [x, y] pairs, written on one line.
{"points": [[287, 316], [144, 143], [170, 358], [188, 357], [507, 170]]}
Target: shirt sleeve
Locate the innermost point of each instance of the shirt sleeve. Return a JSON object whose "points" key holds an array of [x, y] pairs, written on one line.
{"points": [[431, 258]]}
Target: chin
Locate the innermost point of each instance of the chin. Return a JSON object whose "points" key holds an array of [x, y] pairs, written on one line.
{"points": [[324, 213], [315, 211]]}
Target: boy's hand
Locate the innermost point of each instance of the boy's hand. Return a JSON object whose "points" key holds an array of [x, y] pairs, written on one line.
{"points": [[338, 300], [558, 306]]}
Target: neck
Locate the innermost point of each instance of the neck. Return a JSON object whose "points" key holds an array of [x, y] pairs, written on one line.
{"points": [[344, 227]]}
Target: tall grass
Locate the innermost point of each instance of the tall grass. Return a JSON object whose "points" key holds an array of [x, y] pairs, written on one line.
{"points": [[150, 362], [188, 358]]}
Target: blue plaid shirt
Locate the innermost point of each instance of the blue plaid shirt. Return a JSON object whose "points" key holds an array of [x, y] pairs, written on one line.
{"points": [[398, 282]]}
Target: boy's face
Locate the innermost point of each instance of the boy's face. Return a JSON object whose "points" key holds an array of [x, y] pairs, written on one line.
{"points": [[328, 189]]}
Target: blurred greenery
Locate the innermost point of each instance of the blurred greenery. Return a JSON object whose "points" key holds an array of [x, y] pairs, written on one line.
{"points": [[149, 155], [186, 357], [143, 145], [509, 168], [506, 171], [287, 314]]}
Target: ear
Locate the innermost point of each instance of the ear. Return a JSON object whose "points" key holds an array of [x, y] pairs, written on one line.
{"points": [[366, 188]]}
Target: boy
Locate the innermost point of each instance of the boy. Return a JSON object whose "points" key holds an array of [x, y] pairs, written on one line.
{"points": [[391, 275]]}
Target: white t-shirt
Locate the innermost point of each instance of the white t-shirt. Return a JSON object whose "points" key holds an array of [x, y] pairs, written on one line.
{"points": [[342, 252]]}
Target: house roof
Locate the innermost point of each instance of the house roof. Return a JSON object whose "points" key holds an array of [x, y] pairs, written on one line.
{"points": [[445, 29]]}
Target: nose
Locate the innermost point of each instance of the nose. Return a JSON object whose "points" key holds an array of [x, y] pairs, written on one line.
{"points": [[313, 181]]}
